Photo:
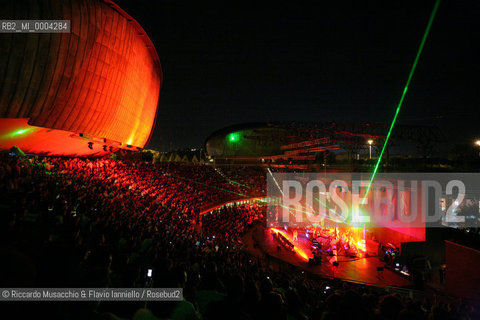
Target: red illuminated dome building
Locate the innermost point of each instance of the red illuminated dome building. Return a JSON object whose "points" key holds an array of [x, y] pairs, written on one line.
{"points": [[88, 92]]}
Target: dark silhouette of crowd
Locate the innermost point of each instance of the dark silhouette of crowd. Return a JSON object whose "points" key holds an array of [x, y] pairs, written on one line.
{"points": [[104, 223]]}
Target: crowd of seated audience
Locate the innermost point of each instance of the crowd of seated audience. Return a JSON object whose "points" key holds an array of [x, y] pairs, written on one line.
{"points": [[232, 222], [250, 177], [211, 186], [103, 223]]}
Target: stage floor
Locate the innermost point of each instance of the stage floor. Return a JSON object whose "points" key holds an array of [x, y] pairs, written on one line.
{"points": [[362, 270]]}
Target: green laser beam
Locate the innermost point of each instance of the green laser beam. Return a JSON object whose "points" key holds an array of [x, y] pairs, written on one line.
{"points": [[235, 182], [223, 175], [397, 111]]}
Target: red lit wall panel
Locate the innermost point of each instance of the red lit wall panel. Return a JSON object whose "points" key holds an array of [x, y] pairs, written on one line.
{"points": [[462, 276]]}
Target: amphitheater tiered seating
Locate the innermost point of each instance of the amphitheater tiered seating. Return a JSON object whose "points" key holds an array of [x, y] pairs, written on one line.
{"points": [[103, 223]]}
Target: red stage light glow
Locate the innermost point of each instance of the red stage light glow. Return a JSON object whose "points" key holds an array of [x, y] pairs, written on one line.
{"points": [[297, 250]]}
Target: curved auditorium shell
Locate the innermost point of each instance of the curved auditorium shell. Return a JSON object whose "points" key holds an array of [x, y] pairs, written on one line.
{"points": [[88, 92]]}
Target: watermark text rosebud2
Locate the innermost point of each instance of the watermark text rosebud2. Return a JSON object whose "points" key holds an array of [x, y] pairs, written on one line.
{"points": [[390, 200]]}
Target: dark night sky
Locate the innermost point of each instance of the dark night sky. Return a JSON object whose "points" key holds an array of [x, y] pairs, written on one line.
{"points": [[232, 62]]}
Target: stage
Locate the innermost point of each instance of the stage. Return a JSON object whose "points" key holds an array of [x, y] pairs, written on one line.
{"points": [[362, 269]]}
